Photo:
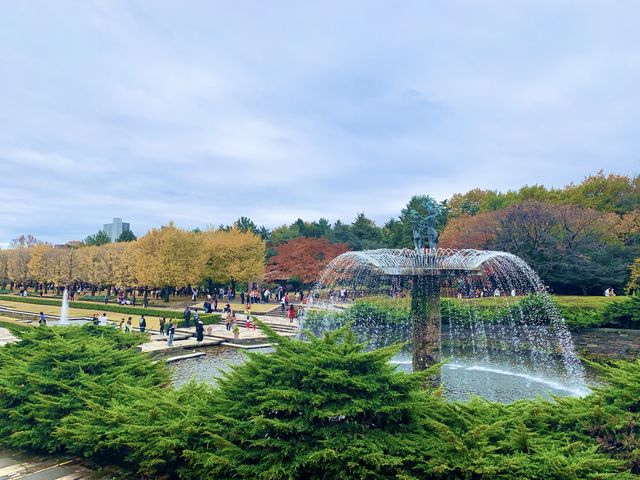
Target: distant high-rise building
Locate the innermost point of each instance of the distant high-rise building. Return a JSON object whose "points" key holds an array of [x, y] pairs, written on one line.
{"points": [[115, 229]]}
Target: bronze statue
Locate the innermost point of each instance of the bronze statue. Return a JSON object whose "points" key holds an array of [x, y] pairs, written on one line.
{"points": [[418, 230], [425, 225]]}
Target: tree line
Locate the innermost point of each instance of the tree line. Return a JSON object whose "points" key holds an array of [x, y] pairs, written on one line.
{"points": [[582, 238], [164, 257]]}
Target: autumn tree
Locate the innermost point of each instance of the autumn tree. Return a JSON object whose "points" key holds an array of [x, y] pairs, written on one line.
{"points": [[168, 256], [40, 265], [18, 264], [303, 259], [470, 231], [66, 266], [231, 256], [573, 249], [122, 256], [606, 193]]}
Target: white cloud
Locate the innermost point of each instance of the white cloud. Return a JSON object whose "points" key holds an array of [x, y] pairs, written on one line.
{"points": [[202, 112]]}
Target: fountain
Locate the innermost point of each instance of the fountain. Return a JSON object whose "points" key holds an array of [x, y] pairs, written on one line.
{"points": [[525, 331], [64, 310]]}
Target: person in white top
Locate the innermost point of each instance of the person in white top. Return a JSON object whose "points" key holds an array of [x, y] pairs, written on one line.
{"points": [[103, 319]]}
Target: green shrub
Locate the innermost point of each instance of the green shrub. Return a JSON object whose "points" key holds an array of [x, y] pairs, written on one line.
{"points": [[623, 314], [323, 409], [53, 372], [578, 312]]}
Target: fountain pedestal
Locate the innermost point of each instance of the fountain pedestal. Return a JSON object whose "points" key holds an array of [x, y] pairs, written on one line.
{"points": [[425, 317]]}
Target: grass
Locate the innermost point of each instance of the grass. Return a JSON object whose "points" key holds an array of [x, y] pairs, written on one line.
{"points": [[152, 322]]}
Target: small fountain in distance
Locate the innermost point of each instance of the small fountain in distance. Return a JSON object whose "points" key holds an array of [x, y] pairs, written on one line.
{"points": [[525, 341], [64, 310]]}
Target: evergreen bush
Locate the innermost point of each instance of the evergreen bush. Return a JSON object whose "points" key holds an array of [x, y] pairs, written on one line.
{"points": [[322, 409]]}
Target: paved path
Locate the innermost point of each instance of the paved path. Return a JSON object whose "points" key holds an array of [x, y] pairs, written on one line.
{"points": [[218, 333], [16, 466], [6, 337]]}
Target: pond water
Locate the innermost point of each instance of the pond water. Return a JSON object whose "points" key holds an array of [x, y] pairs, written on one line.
{"points": [[461, 378]]}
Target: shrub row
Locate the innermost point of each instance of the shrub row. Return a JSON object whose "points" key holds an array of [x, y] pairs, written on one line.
{"points": [[623, 313], [323, 409]]}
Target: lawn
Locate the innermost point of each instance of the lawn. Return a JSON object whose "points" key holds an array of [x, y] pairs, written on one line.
{"points": [[152, 322]]}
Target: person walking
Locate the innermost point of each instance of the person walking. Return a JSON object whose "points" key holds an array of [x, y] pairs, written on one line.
{"points": [[162, 323], [187, 317], [143, 324], [282, 305], [171, 330], [292, 313], [228, 321], [128, 327]]}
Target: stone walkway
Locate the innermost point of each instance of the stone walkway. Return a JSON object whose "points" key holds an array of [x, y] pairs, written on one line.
{"points": [[16, 466], [6, 337], [216, 334]]}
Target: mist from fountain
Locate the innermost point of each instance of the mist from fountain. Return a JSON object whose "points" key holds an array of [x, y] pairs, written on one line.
{"points": [[517, 334]]}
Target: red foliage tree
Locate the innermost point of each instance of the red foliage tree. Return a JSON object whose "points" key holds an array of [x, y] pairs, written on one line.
{"points": [[302, 258]]}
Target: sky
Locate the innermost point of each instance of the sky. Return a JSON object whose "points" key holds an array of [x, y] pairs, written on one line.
{"points": [[201, 112]]}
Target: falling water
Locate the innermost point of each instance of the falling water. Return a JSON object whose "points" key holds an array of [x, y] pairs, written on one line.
{"points": [[512, 345], [64, 310]]}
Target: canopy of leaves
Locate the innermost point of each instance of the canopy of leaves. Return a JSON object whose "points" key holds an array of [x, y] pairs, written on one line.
{"points": [[302, 258], [633, 287], [127, 236], [573, 249], [231, 256], [97, 239]]}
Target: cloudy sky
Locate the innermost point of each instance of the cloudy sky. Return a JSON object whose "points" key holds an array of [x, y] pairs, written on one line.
{"points": [[202, 111]]}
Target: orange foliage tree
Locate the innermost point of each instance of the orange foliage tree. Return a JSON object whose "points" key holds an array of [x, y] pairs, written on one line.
{"points": [[470, 231], [302, 258]]}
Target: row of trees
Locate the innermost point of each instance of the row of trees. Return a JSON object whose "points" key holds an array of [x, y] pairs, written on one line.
{"points": [[102, 238], [573, 249], [164, 257], [581, 238]]}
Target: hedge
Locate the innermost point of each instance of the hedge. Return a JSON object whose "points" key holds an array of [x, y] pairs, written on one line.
{"points": [[578, 312], [318, 410]]}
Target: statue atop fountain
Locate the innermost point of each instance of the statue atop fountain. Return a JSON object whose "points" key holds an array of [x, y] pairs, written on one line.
{"points": [[425, 225]]}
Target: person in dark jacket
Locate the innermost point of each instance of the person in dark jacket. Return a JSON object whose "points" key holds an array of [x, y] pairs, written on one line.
{"points": [[199, 330]]}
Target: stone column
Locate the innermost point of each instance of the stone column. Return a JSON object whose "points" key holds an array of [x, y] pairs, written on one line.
{"points": [[425, 317]]}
